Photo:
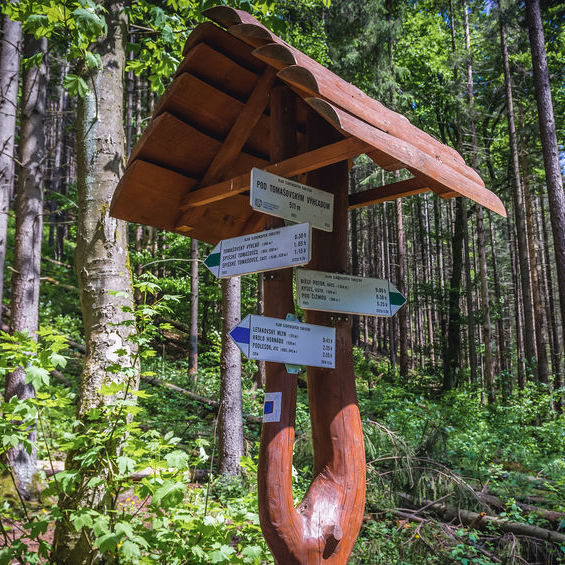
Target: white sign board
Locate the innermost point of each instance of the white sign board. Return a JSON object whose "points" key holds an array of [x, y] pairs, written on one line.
{"points": [[284, 341], [272, 249], [334, 292], [291, 200]]}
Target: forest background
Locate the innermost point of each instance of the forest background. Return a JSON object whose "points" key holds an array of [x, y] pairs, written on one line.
{"points": [[122, 437]]}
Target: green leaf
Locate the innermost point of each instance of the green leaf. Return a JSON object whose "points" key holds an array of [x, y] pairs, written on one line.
{"points": [[37, 376], [81, 519], [177, 459], [89, 23], [170, 494], [93, 60], [75, 85], [108, 542], [130, 550], [58, 360], [125, 464]]}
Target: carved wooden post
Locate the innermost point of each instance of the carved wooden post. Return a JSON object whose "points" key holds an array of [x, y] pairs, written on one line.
{"points": [[276, 506], [323, 528]]}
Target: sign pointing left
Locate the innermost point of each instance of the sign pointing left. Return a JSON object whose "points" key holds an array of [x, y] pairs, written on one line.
{"points": [[272, 249], [285, 341]]}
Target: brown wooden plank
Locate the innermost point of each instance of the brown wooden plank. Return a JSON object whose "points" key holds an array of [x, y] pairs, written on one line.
{"points": [[385, 161], [241, 129], [150, 195], [173, 144], [306, 75], [388, 192], [210, 110], [439, 176], [229, 17], [223, 220], [339, 151], [225, 43], [220, 71]]}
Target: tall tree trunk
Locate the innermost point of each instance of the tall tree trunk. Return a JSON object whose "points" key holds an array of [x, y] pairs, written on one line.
{"points": [[401, 285], [193, 355], [260, 377], [488, 373], [11, 45], [29, 232], [517, 195], [556, 346], [230, 420], [469, 298], [542, 367], [102, 266], [451, 370], [554, 179]]}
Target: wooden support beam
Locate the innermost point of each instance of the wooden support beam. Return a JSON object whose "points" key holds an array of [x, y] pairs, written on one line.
{"points": [[241, 129], [388, 192], [440, 177], [332, 153]]}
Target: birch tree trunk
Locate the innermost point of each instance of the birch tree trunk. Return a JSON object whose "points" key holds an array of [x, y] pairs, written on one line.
{"points": [[102, 266], [230, 421], [193, 355], [27, 251], [11, 44]]}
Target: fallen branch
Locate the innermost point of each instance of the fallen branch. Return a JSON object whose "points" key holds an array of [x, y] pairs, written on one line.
{"points": [[478, 520], [549, 515], [60, 284], [194, 396]]}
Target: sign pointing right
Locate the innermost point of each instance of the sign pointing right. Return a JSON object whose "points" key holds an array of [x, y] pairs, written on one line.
{"points": [[334, 292]]}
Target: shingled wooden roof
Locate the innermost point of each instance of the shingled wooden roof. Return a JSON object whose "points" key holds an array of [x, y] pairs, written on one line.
{"points": [[189, 172]]}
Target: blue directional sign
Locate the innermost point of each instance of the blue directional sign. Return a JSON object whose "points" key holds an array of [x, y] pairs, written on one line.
{"points": [[285, 341]]}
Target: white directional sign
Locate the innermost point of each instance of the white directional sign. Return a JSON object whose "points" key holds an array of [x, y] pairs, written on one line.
{"points": [[334, 292], [272, 249], [291, 200], [284, 341]]}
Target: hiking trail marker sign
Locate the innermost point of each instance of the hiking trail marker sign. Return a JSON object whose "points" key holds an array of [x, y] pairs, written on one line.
{"points": [[288, 199], [284, 341], [264, 251], [333, 292]]}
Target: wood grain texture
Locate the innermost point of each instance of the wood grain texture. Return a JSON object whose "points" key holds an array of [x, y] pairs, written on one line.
{"points": [[419, 163], [388, 192], [175, 145], [241, 129], [211, 111], [321, 157], [225, 43], [325, 525], [219, 70]]}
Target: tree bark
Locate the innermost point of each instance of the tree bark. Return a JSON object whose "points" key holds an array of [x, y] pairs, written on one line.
{"points": [[230, 422], [102, 266], [193, 355], [554, 179], [9, 74], [324, 526], [401, 285], [488, 373], [29, 232], [524, 267], [451, 370]]}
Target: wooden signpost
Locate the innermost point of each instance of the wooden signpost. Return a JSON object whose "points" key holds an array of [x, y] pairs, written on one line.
{"points": [[285, 341], [334, 292], [246, 111], [272, 249], [290, 200]]}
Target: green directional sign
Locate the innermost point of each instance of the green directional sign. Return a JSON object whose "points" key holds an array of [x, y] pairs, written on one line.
{"points": [[264, 251], [334, 292]]}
